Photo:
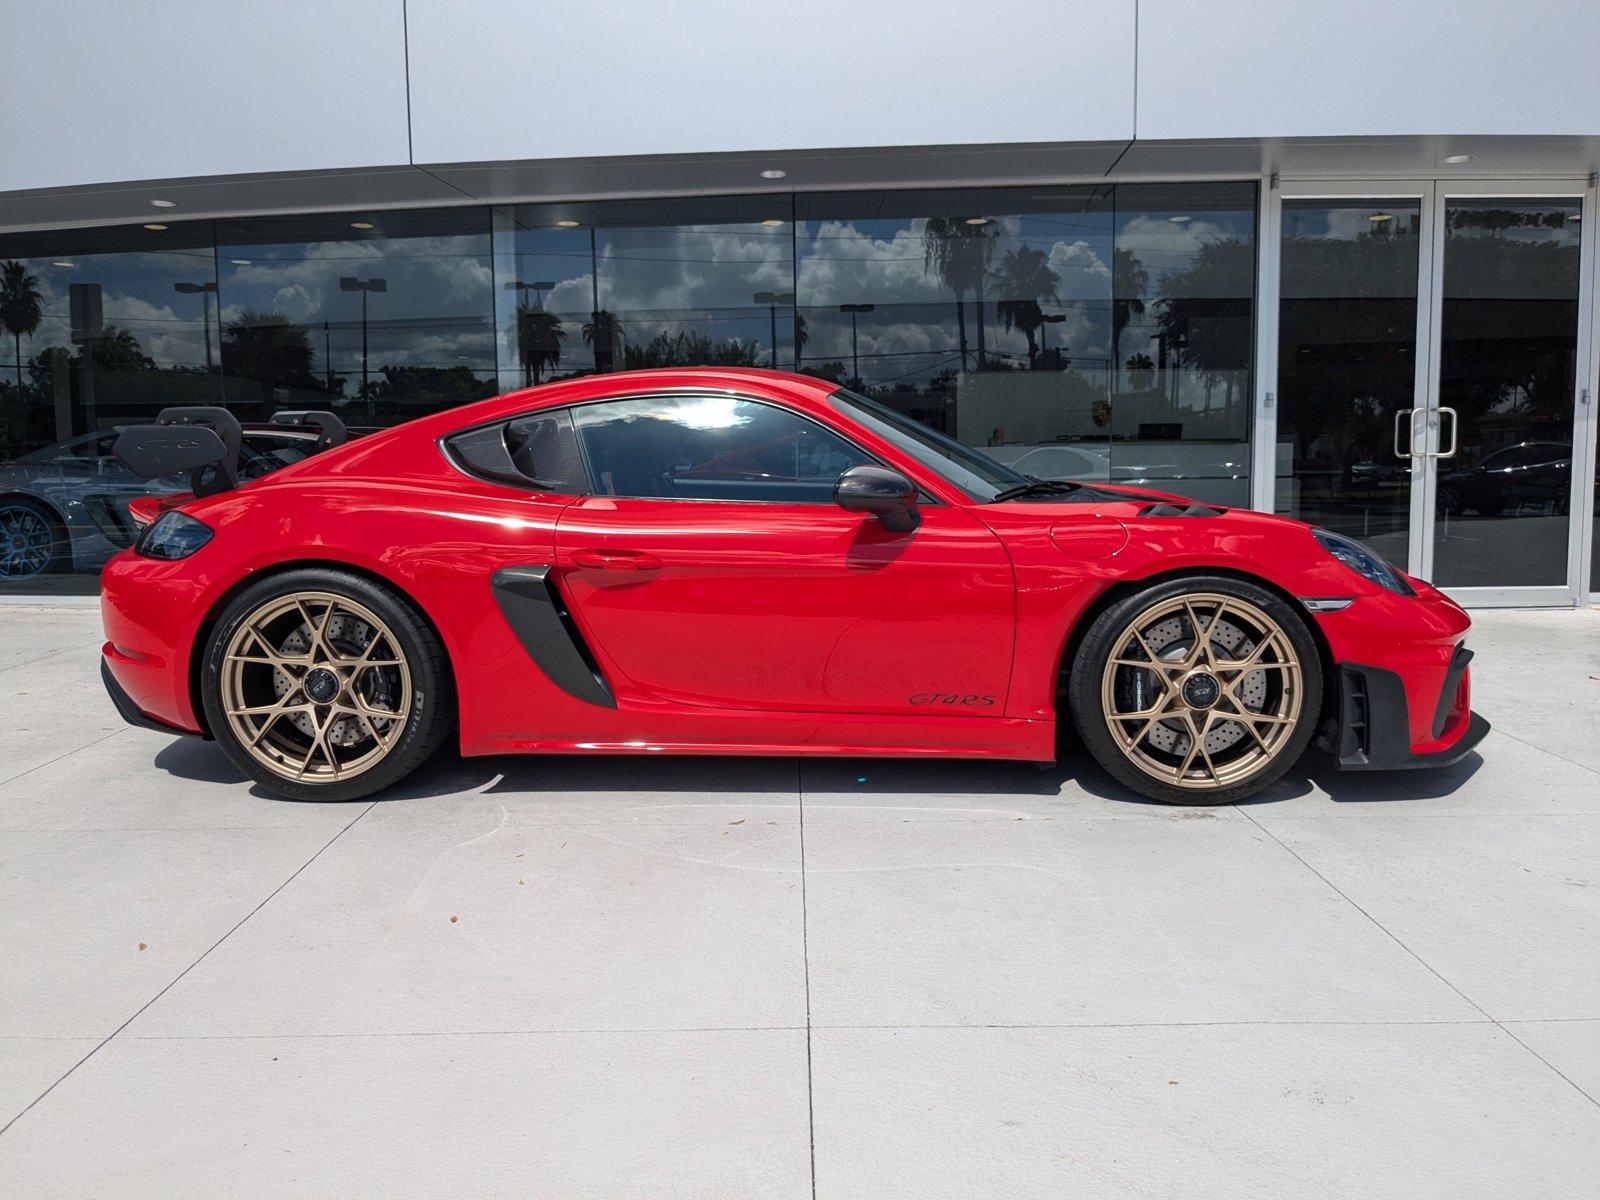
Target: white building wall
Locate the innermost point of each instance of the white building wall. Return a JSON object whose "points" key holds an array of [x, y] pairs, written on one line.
{"points": [[99, 92], [1356, 68], [509, 79]]}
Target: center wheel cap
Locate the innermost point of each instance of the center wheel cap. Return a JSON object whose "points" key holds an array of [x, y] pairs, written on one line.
{"points": [[1201, 690], [322, 685]]}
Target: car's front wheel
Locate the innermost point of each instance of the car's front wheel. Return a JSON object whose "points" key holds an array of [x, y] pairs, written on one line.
{"points": [[322, 685], [1199, 690]]}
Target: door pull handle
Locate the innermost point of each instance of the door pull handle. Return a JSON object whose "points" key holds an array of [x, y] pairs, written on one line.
{"points": [[1455, 428], [616, 560], [1408, 415]]}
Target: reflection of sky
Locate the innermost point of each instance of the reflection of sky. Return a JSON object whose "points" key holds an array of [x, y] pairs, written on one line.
{"points": [[702, 278], [136, 294], [435, 311], [447, 297]]}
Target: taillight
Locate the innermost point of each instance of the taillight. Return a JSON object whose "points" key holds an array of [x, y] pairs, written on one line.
{"points": [[172, 535]]}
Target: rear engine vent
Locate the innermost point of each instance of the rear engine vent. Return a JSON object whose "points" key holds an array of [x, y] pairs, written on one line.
{"points": [[1164, 509]]}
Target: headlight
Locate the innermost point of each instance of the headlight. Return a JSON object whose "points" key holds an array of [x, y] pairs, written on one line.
{"points": [[1366, 563], [172, 535]]}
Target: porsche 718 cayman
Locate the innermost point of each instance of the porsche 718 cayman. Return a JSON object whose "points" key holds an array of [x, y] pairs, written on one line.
{"points": [[746, 562]]}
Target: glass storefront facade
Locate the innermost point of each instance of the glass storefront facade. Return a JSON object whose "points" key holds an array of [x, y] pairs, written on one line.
{"points": [[1078, 332], [1083, 332]]}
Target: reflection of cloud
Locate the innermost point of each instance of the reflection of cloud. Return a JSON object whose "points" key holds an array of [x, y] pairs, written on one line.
{"points": [[705, 277], [659, 280], [1163, 246], [438, 288], [170, 338]]}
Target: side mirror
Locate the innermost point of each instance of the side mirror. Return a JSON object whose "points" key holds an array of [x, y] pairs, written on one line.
{"points": [[887, 495]]}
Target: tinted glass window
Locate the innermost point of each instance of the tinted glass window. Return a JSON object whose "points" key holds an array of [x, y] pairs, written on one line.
{"points": [[378, 316], [711, 448], [677, 282]]}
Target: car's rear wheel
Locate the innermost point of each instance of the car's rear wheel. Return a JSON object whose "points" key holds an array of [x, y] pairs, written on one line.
{"points": [[322, 685], [32, 541], [1199, 690]]}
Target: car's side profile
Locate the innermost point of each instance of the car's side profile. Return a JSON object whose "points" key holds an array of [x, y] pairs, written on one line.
{"points": [[748, 562]]}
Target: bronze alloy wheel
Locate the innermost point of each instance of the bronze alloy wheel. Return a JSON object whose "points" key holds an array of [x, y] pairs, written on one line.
{"points": [[1203, 691], [315, 687]]}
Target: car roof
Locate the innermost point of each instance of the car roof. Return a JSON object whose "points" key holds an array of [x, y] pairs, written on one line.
{"points": [[805, 392]]}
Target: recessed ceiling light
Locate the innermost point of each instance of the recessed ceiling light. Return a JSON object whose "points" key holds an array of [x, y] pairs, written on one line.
{"points": [[568, 223], [1380, 218], [163, 204], [155, 228], [361, 225], [773, 173], [1456, 158], [977, 220], [1181, 219], [63, 263], [240, 262], [772, 221]]}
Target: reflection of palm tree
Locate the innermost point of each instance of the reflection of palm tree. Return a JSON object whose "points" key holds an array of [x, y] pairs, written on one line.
{"points": [[801, 337], [602, 331], [539, 338], [1129, 280], [1204, 317], [118, 350], [21, 307], [1024, 279], [959, 254], [1141, 370], [269, 348]]}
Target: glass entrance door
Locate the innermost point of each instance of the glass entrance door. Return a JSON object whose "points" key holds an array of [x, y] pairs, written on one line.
{"points": [[1350, 376], [1429, 356], [1502, 417]]}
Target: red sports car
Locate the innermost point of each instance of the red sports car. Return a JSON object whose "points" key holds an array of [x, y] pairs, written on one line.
{"points": [[746, 562]]}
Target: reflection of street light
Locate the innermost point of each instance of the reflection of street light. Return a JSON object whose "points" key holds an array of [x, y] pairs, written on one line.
{"points": [[203, 290], [772, 300], [538, 288], [350, 283], [1046, 320], [855, 354]]}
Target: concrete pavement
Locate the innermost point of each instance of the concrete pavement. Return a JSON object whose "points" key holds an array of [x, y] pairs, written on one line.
{"points": [[743, 978]]}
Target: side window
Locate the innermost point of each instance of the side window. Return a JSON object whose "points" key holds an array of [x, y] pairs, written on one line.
{"points": [[711, 448], [538, 452]]}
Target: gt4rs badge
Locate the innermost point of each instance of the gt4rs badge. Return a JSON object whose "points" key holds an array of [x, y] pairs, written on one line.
{"points": [[954, 699]]}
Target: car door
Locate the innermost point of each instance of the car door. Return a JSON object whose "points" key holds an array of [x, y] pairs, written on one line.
{"points": [[711, 567]]}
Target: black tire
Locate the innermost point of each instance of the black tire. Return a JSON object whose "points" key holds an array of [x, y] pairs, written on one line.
{"points": [[1084, 690], [433, 709], [59, 560]]}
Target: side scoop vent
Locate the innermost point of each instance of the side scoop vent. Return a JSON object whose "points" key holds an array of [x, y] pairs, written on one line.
{"points": [[1163, 509]]}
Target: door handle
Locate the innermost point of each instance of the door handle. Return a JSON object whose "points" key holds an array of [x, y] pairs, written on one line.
{"points": [[616, 560], [1408, 414], [1455, 423]]}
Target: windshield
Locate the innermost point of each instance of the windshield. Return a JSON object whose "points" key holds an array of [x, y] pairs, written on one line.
{"points": [[975, 473]]}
